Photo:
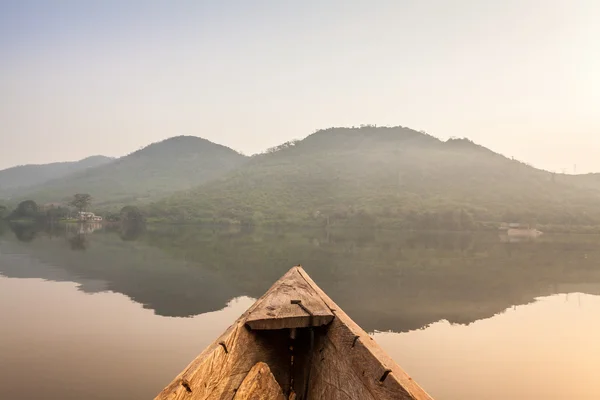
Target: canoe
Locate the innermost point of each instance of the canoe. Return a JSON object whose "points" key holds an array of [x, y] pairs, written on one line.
{"points": [[294, 343]]}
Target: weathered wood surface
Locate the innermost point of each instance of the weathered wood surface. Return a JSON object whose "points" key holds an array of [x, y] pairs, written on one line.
{"points": [[345, 362], [220, 369], [349, 364], [290, 303], [259, 384]]}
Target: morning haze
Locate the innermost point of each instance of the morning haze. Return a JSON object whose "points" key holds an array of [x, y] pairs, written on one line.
{"points": [[393, 196], [79, 79]]}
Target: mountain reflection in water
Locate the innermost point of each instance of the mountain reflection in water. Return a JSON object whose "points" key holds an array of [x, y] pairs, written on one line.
{"points": [[468, 316], [386, 280]]}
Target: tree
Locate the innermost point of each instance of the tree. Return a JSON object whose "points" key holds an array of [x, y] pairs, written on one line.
{"points": [[112, 217], [27, 209], [133, 223], [132, 215], [283, 146], [81, 201], [3, 211], [56, 213]]}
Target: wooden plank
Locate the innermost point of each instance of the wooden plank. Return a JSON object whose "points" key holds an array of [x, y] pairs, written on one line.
{"points": [[259, 384], [347, 351], [290, 303], [332, 377]]}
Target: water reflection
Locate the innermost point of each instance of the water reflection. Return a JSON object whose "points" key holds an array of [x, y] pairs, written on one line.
{"points": [[387, 281], [24, 232], [461, 313], [61, 344], [544, 350]]}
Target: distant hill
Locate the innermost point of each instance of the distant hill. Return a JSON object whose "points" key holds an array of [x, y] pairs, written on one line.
{"points": [[386, 176], [590, 181], [17, 179], [174, 164]]}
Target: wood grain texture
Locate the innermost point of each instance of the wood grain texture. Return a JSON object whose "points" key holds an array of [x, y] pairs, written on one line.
{"points": [[343, 363], [332, 377], [290, 303], [347, 355], [219, 370], [259, 384]]}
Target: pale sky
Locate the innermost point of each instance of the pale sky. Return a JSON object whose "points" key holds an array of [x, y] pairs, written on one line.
{"points": [[107, 77]]}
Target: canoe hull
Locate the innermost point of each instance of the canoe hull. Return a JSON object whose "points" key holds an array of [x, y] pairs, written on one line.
{"points": [[317, 360]]}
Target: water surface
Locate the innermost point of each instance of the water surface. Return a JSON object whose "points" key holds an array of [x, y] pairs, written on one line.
{"points": [[106, 314]]}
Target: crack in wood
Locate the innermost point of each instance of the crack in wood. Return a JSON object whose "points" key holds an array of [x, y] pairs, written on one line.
{"points": [[385, 375], [224, 347], [186, 386]]}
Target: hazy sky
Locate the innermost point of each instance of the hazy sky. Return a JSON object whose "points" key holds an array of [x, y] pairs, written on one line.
{"points": [[106, 77]]}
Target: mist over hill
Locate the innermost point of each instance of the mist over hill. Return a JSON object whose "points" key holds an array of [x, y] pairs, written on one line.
{"points": [[375, 176], [386, 175], [174, 164], [18, 179]]}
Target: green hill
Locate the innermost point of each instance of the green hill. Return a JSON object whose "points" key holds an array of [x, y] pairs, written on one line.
{"points": [[174, 164], [386, 176], [18, 179]]}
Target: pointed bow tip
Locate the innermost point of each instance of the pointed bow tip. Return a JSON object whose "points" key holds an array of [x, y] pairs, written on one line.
{"points": [[298, 268], [292, 302]]}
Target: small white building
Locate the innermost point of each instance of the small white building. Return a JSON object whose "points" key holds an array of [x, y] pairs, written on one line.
{"points": [[88, 216]]}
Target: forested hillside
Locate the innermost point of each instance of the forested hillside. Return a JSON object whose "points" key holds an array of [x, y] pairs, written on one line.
{"points": [[174, 164], [15, 180], [386, 176]]}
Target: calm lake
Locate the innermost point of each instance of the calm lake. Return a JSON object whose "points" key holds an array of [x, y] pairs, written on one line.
{"points": [[87, 312]]}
